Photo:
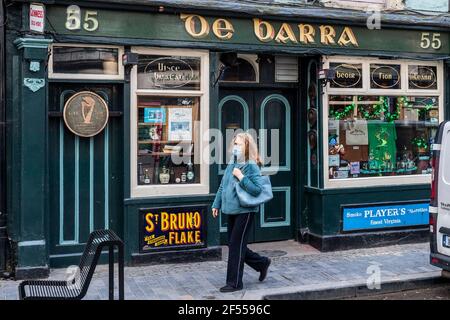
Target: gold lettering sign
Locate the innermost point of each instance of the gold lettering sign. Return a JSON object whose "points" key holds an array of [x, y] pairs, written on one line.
{"points": [[384, 76], [223, 29], [346, 75], [162, 228], [422, 77], [191, 24], [86, 114], [198, 27]]}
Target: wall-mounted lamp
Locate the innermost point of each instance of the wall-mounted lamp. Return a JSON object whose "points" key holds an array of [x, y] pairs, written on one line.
{"points": [[228, 60], [326, 75], [129, 59]]}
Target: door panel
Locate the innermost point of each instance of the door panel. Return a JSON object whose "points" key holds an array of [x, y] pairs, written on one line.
{"points": [[267, 110], [274, 119], [85, 174]]}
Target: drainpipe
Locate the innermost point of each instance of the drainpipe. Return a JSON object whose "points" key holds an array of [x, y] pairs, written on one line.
{"points": [[3, 221]]}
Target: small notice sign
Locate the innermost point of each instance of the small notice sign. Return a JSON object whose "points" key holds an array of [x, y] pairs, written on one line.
{"points": [[37, 17]]}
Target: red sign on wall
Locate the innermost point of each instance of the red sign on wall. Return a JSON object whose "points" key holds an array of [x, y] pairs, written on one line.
{"points": [[37, 17]]}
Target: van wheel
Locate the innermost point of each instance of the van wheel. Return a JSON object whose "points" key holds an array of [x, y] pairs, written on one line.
{"points": [[445, 274]]}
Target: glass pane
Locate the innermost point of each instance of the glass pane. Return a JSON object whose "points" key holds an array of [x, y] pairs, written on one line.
{"points": [[346, 75], [168, 139], [241, 71], [385, 76], [79, 60], [168, 72], [274, 119], [232, 119], [422, 77], [371, 136]]}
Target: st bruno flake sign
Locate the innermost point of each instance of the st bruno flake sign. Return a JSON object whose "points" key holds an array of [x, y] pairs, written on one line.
{"points": [[172, 227]]}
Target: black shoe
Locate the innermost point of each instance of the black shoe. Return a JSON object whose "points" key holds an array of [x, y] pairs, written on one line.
{"points": [[263, 273], [229, 288]]}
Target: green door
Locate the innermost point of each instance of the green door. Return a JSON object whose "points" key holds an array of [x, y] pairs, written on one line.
{"points": [[85, 175], [271, 110]]}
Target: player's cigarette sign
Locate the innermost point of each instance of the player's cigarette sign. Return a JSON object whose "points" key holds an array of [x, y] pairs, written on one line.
{"points": [[163, 228]]}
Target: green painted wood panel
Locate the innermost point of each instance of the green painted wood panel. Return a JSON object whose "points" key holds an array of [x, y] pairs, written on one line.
{"points": [[85, 176], [162, 26]]}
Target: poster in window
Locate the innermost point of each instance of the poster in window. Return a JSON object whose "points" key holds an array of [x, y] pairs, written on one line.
{"points": [[180, 124], [154, 115]]}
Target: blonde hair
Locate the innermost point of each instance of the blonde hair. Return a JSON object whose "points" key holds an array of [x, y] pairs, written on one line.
{"points": [[251, 148]]}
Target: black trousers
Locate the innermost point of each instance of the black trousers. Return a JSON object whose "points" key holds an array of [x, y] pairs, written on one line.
{"points": [[239, 226]]}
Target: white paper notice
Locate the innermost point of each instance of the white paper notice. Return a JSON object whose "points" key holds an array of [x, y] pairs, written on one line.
{"points": [[180, 124], [37, 17]]}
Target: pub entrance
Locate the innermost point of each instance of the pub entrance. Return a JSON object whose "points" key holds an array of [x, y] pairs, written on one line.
{"points": [[266, 109]]}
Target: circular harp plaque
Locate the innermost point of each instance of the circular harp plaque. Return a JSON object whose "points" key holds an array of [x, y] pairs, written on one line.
{"points": [[86, 114]]}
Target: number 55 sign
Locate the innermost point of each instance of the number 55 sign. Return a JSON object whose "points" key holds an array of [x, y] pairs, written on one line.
{"points": [[75, 18], [430, 40]]}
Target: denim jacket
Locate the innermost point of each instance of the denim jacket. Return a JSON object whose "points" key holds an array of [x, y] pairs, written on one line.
{"points": [[226, 198]]}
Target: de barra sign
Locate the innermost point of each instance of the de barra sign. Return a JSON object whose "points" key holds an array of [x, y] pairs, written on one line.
{"points": [[165, 228], [385, 216], [198, 27], [214, 31]]}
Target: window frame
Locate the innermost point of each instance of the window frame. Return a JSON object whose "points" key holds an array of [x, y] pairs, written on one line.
{"points": [[86, 76], [156, 190], [366, 90]]}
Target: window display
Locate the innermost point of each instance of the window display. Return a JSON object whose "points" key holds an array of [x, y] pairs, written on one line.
{"points": [[167, 132], [372, 135]]}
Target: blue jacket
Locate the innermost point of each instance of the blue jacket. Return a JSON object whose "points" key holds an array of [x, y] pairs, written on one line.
{"points": [[226, 198]]}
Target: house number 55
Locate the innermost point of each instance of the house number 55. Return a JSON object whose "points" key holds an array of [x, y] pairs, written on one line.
{"points": [[432, 40], [73, 21]]}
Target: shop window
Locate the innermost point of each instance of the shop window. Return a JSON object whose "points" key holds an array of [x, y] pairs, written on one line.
{"points": [[346, 75], [380, 125], [77, 62], [169, 123], [243, 70], [380, 135], [422, 77], [385, 76], [162, 72], [167, 134]]}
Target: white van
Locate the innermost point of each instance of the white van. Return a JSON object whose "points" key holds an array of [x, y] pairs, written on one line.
{"points": [[440, 200]]}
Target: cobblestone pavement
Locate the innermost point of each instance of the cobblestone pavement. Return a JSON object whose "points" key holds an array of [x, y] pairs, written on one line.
{"points": [[295, 267]]}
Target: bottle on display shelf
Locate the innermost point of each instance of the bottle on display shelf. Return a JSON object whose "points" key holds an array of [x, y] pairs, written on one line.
{"points": [[146, 176], [190, 176], [140, 172]]}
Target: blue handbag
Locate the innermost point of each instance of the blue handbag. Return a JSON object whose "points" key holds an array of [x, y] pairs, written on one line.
{"points": [[247, 200]]}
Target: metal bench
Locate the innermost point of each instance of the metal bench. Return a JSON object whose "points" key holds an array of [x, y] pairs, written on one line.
{"points": [[75, 289]]}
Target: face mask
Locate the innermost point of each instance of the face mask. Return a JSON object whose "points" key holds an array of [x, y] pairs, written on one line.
{"points": [[237, 152]]}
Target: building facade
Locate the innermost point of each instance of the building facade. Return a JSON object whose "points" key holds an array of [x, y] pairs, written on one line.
{"points": [[116, 108]]}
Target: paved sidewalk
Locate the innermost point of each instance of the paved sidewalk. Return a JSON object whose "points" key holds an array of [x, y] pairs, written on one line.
{"points": [[295, 267]]}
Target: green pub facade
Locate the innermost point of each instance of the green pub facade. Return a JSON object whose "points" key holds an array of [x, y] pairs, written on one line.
{"points": [[115, 111]]}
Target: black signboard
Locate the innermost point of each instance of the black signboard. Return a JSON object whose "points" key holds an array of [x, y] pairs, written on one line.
{"points": [[346, 75], [167, 228], [422, 77], [385, 76]]}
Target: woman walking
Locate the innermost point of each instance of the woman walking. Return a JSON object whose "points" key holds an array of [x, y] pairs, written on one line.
{"points": [[245, 170]]}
